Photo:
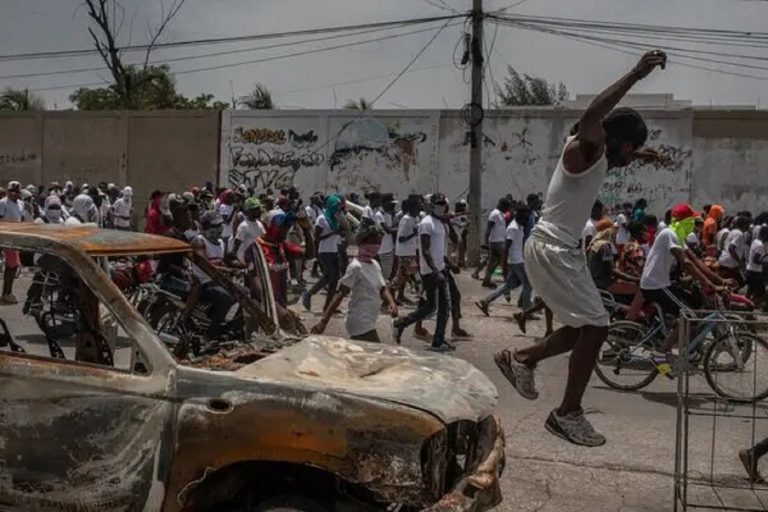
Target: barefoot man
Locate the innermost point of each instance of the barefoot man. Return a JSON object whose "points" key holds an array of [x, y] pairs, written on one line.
{"points": [[604, 139]]}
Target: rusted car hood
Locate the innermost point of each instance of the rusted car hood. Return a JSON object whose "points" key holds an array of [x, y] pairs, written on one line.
{"points": [[448, 387]]}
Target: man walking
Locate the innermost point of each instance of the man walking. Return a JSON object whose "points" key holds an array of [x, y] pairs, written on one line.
{"points": [[432, 238], [516, 275], [603, 139], [495, 235]]}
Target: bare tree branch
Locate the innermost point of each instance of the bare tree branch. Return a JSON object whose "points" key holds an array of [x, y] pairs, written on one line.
{"points": [[173, 10]]}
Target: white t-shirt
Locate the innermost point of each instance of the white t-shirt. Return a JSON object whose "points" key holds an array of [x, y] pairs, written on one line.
{"points": [[368, 212], [406, 227], [590, 230], [247, 232], [735, 239], [225, 210], [312, 213], [515, 234], [692, 240], [122, 208], [72, 221], [436, 231], [498, 231], [756, 249], [330, 244], [660, 261], [365, 280], [387, 243], [722, 235], [11, 210], [622, 235]]}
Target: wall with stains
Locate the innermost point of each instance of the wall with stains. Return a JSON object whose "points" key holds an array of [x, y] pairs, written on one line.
{"points": [[423, 151], [715, 156], [330, 150], [148, 150]]}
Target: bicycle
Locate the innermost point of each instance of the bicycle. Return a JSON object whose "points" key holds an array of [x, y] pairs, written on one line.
{"points": [[628, 358]]}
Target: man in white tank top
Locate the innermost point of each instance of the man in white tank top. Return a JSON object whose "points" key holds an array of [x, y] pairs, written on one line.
{"points": [[554, 256]]}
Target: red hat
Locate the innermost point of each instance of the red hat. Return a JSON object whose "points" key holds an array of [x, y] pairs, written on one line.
{"points": [[682, 212]]}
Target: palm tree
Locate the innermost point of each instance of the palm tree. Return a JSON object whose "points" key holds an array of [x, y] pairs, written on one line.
{"points": [[361, 104], [21, 100], [260, 98]]}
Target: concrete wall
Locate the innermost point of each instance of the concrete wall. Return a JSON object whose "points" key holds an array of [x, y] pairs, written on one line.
{"points": [[716, 155], [148, 150], [421, 151], [731, 160]]}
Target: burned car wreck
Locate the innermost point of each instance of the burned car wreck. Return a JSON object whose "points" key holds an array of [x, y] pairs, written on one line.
{"points": [[313, 423]]}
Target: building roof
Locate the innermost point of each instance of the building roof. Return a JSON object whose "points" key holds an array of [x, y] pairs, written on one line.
{"points": [[95, 241]]}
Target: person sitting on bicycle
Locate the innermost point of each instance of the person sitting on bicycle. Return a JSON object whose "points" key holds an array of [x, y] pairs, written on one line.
{"points": [[173, 267], [668, 250], [601, 257], [210, 246]]}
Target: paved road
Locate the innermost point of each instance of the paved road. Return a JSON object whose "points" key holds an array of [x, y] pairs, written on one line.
{"points": [[633, 471]]}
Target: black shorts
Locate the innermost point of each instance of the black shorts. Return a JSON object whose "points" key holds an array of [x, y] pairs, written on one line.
{"points": [[667, 299]]}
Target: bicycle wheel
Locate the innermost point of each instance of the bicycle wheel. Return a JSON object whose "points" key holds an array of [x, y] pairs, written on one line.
{"points": [[624, 361], [736, 367]]}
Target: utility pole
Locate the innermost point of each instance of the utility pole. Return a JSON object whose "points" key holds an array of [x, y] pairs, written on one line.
{"points": [[476, 114]]}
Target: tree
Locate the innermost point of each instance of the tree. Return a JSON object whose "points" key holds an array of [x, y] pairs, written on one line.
{"points": [[260, 98], [361, 104], [21, 100], [529, 90], [107, 18], [156, 91]]}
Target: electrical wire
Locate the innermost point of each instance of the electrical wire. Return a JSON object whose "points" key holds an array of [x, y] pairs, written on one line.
{"points": [[638, 27], [266, 59], [389, 85], [201, 56], [636, 53], [358, 80], [225, 40], [679, 52]]}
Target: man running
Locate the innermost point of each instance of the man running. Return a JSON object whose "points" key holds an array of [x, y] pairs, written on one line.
{"points": [[604, 138]]}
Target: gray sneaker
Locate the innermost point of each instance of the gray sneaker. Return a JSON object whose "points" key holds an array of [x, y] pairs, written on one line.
{"points": [[519, 375], [575, 428]]}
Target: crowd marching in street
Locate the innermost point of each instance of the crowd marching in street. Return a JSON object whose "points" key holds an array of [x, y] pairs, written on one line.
{"points": [[561, 250]]}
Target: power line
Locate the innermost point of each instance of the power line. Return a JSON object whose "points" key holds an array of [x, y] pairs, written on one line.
{"points": [[640, 46], [637, 27], [200, 56], [266, 59], [224, 40], [585, 40], [389, 85]]}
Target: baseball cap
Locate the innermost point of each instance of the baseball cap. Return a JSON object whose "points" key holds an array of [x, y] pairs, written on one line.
{"points": [[682, 212], [14, 186]]}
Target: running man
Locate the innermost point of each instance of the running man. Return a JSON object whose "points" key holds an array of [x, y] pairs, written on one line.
{"points": [[604, 138]]}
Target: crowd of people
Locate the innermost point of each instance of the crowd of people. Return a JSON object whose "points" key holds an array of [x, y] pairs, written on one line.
{"points": [[562, 250]]}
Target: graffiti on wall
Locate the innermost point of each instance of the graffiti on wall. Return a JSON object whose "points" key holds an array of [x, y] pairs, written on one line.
{"points": [[17, 157], [369, 144], [270, 158], [662, 184]]}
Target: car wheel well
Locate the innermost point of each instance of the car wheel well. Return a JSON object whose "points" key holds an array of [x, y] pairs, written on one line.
{"points": [[243, 485]]}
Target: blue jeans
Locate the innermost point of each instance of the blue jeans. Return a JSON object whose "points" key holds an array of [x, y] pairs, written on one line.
{"points": [[435, 297], [516, 276]]}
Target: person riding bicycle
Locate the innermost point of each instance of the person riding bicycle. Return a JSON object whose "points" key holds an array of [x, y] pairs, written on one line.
{"points": [[667, 251], [210, 246]]}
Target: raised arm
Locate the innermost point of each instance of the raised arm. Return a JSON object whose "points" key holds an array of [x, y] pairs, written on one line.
{"points": [[590, 143]]}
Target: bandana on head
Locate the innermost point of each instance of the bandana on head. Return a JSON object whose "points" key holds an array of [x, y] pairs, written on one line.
{"points": [[333, 204]]}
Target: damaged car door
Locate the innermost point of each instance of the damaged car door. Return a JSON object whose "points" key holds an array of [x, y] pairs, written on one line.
{"points": [[80, 436]]}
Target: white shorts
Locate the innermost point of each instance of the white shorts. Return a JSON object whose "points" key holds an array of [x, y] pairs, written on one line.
{"points": [[561, 279]]}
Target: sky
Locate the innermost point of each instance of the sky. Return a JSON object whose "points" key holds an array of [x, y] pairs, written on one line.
{"points": [[316, 81]]}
